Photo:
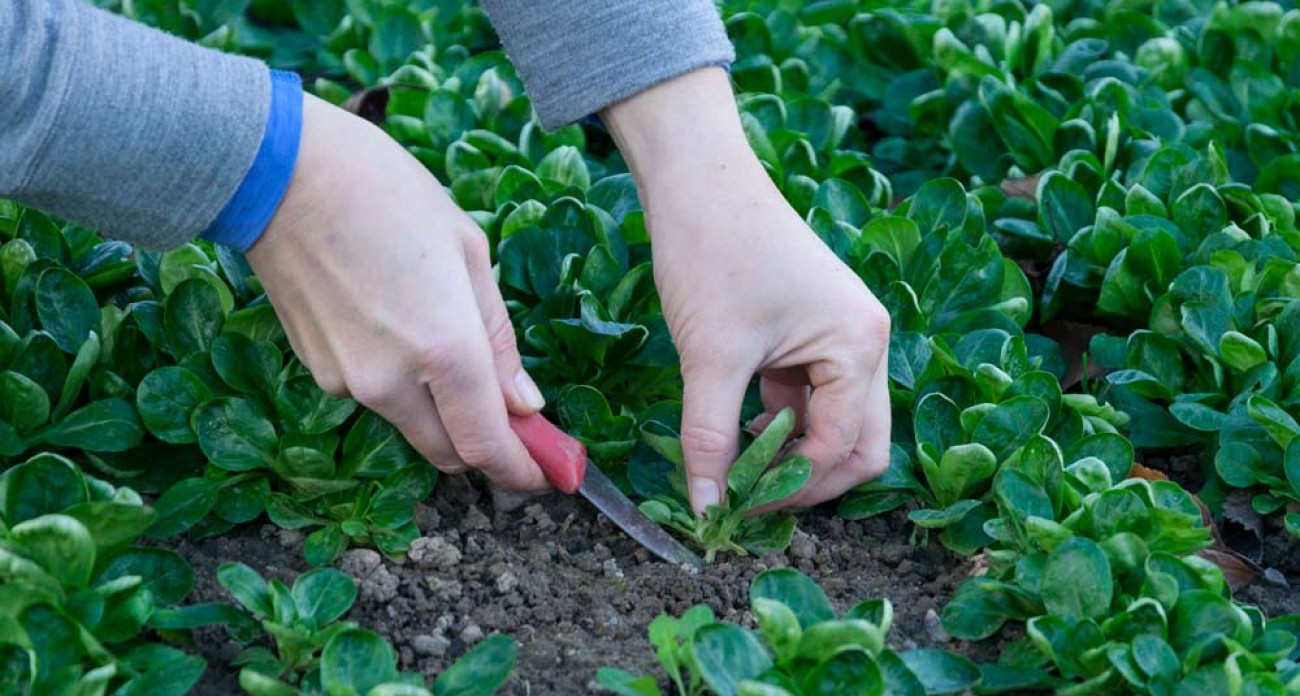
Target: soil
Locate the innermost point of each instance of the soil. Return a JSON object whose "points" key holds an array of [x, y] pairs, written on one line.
{"points": [[576, 594]]}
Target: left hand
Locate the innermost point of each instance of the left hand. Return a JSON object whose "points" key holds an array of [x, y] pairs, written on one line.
{"points": [[748, 288]]}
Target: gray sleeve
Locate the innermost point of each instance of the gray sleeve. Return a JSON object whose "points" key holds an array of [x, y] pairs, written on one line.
{"points": [[577, 56], [119, 127]]}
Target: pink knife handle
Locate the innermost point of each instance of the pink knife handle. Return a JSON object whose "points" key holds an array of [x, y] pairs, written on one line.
{"points": [[563, 459]]}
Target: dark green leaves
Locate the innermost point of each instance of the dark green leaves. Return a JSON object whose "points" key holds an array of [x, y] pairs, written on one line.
{"points": [[235, 434], [1076, 581], [66, 308]]}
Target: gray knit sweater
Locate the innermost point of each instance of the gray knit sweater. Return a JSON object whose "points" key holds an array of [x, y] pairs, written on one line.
{"points": [[145, 137]]}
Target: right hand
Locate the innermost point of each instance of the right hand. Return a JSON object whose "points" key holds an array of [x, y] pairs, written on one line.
{"points": [[385, 289]]}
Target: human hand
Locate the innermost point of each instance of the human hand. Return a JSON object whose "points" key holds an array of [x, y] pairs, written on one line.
{"points": [[748, 288], [386, 292]]}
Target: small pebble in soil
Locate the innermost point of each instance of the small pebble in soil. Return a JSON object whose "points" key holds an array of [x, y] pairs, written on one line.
{"points": [[803, 546], [434, 646], [934, 627], [506, 582], [475, 520], [471, 634], [611, 569], [434, 553]]}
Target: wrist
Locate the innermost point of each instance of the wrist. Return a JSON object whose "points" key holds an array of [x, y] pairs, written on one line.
{"points": [[683, 132], [250, 209]]}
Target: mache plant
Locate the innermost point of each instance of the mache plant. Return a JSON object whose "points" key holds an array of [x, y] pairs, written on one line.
{"points": [[970, 407], [1104, 572], [754, 481], [318, 653], [79, 597], [802, 647]]}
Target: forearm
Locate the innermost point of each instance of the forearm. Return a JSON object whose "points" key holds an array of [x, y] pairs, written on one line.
{"points": [[683, 139], [120, 127], [576, 57]]}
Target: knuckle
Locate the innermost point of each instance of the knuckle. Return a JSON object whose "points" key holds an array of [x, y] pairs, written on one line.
{"points": [[705, 440], [372, 393], [441, 355], [331, 383], [482, 454], [501, 333]]}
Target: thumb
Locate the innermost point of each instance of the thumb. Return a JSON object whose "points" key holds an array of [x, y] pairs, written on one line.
{"points": [[521, 392], [711, 404]]}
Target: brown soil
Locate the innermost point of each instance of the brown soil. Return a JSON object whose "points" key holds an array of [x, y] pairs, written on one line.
{"points": [[577, 595]]}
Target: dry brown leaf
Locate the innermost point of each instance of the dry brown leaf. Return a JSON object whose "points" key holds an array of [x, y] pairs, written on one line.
{"points": [[1238, 570], [1145, 472], [1025, 187]]}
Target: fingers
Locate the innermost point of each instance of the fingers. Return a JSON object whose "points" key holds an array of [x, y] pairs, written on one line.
{"points": [[416, 416], [780, 389], [711, 404], [460, 374], [870, 454], [522, 394]]}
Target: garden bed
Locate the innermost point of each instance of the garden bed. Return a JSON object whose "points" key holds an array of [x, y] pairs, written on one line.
{"points": [[577, 595]]}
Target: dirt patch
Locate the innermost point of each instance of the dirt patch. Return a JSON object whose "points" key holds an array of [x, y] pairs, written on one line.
{"points": [[577, 595], [573, 591]]}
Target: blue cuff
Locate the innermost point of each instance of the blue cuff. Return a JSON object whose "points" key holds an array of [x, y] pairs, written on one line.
{"points": [[250, 210]]}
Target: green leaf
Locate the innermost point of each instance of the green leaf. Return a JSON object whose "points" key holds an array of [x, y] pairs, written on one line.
{"points": [[751, 463], [627, 684], [322, 546], [66, 307], [251, 367], [795, 590], [109, 425], [726, 655], [87, 356], [963, 471], [166, 398], [1278, 423], [827, 637], [565, 165], [182, 505], [1011, 424], [939, 204], [23, 403], [164, 573], [1063, 206], [1155, 256], [302, 404], [483, 670], [849, 671], [843, 201], [247, 587], [355, 661], [192, 317], [780, 482], [1077, 583], [323, 595], [1240, 351], [61, 545], [982, 605], [235, 434], [779, 626], [44, 484], [373, 448], [941, 671]]}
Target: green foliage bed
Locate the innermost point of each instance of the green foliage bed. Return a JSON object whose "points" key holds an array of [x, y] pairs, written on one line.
{"points": [[988, 168]]}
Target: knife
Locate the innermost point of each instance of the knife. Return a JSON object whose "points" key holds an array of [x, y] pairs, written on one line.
{"points": [[563, 459]]}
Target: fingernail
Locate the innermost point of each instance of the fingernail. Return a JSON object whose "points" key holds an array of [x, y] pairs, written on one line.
{"points": [[528, 391], [704, 492]]}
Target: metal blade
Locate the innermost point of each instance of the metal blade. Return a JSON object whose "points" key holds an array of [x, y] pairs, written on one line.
{"points": [[602, 492]]}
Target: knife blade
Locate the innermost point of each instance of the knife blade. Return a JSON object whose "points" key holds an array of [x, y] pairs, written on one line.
{"points": [[563, 458]]}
